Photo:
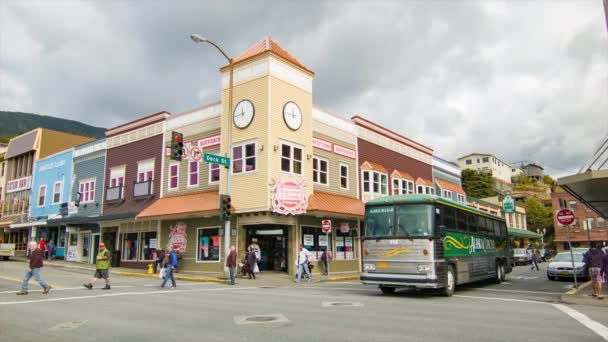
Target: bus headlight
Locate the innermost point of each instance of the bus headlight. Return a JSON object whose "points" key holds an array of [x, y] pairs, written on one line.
{"points": [[424, 268]]}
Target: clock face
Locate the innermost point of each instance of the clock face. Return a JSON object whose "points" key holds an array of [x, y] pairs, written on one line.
{"points": [[292, 115], [243, 114]]}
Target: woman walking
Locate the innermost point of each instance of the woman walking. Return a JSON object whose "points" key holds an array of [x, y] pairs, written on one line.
{"points": [[252, 261], [170, 264]]}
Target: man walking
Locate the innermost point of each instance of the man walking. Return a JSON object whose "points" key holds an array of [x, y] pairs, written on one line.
{"points": [[170, 265], [36, 256], [302, 263], [102, 268], [593, 262], [535, 260], [231, 263], [51, 248]]}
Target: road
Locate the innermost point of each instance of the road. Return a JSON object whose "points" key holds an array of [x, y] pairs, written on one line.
{"points": [[526, 306]]}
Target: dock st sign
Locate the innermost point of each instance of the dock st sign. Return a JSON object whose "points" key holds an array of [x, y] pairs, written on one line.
{"points": [[565, 217], [215, 159]]}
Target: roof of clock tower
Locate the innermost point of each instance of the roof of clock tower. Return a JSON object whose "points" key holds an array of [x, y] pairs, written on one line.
{"points": [[269, 45]]}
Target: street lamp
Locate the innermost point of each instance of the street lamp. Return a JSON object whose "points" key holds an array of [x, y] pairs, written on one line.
{"points": [[542, 237], [199, 39]]}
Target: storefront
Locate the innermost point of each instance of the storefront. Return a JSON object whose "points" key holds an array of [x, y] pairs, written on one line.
{"points": [[55, 234], [82, 243]]}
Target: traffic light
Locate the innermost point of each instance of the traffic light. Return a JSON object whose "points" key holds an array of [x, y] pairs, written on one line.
{"points": [[177, 146], [225, 207]]}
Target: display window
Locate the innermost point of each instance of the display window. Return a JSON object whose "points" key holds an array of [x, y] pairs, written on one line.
{"points": [[148, 245], [315, 241], [129, 246], [208, 244], [345, 245]]}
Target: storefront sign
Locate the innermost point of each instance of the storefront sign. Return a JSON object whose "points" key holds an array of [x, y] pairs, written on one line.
{"points": [[344, 228], [72, 253], [213, 140], [51, 165], [345, 152], [348, 242], [323, 241], [19, 184], [321, 144], [309, 240], [289, 197], [178, 236], [153, 243]]}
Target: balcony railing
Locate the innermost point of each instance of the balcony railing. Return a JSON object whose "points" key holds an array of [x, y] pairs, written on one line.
{"points": [[114, 193], [142, 189]]}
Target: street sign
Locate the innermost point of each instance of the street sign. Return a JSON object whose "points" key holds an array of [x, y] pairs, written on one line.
{"points": [[195, 153], [326, 226], [508, 204], [215, 159], [565, 217]]}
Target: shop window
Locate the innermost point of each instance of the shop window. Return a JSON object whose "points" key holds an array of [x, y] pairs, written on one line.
{"points": [[209, 244], [344, 176], [243, 158], [291, 159], [41, 195], [319, 171], [173, 176], [214, 173], [148, 245], [87, 191], [129, 246], [57, 192], [315, 241], [193, 170], [345, 245], [61, 238]]}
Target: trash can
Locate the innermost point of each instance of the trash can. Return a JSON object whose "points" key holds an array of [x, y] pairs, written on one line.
{"points": [[116, 259]]}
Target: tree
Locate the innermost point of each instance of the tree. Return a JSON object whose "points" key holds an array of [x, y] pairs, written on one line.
{"points": [[478, 184], [538, 216], [548, 180]]}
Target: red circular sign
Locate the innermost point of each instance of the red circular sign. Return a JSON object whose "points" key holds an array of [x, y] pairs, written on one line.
{"points": [[326, 226], [565, 217]]}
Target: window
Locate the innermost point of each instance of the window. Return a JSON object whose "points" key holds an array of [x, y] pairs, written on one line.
{"points": [[138, 246], [41, 195], [473, 223], [243, 158], [345, 245], [461, 217], [319, 171], [469, 162], [57, 192], [601, 222], [87, 191], [148, 245], [117, 176], [173, 176], [291, 160], [447, 194], [402, 186], [478, 161], [448, 217], [366, 187], [129, 246], [208, 241], [145, 171], [343, 177], [576, 223], [485, 159], [214, 173], [375, 182], [562, 203], [573, 205], [193, 170], [2, 174], [315, 241], [590, 222]]}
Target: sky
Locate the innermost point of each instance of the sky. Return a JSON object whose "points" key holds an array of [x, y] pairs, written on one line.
{"points": [[523, 80]]}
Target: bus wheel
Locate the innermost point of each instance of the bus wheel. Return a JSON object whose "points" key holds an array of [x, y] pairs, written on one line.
{"points": [[387, 290], [500, 272], [450, 282]]}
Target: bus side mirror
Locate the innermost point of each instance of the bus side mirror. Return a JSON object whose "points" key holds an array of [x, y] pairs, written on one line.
{"points": [[441, 231]]}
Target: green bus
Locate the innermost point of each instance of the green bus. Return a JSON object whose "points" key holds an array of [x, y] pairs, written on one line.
{"points": [[424, 241]]}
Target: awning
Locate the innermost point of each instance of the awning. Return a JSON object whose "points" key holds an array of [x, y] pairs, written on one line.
{"points": [[335, 204], [590, 188], [367, 165], [516, 232], [27, 224], [186, 205], [450, 186]]}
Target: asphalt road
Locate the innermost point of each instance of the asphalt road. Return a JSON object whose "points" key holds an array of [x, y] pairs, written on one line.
{"points": [[525, 307]]}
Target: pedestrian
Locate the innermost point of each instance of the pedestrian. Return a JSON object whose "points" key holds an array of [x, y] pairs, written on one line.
{"points": [[170, 263], [102, 268], [535, 260], [42, 246], [605, 266], [51, 250], [252, 262], [179, 254], [326, 258], [302, 263], [160, 256], [593, 262], [258, 254], [36, 256], [231, 263]]}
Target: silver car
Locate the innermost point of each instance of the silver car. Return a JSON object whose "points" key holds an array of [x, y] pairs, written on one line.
{"points": [[561, 266]]}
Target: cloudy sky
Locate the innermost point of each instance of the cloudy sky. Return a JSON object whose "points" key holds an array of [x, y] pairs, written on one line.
{"points": [[525, 80]]}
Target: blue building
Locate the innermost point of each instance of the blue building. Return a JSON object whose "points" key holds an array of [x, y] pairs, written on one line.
{"points": [[50, 196], [447, 179]]}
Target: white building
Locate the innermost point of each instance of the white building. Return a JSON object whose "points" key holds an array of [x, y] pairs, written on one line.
{"points": [[497, 168]]}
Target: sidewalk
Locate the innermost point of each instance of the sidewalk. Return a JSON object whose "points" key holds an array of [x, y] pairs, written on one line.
{"points": [[582, 296], [265, 279]]}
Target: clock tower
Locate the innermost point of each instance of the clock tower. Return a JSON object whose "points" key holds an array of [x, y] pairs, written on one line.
{"points": [[270, 126]]}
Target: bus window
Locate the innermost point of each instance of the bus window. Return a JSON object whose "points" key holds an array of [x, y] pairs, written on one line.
{"points": [[462, 220], [449, 217], [496, 226], [503, 228], [379, 221], [414, 220], [473, 223]]}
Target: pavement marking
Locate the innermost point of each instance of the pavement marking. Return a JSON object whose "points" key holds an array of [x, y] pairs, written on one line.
{"points": [[67, 288], [583, 319], [32, 281], [506, 283], [503, 299], [181, 284], [517, 291], [123, 294]]}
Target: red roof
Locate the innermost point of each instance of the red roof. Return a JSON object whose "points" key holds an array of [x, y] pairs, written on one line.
{"points": [[402, 174], [422, 181], [335, 204], [367, 165], [265, 45], [446, 185]]}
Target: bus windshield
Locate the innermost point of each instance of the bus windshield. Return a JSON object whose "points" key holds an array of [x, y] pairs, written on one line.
{"points": [[409, 220]]}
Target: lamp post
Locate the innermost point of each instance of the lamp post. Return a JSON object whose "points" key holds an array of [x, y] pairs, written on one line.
{"points": [[542, 237], [198, 39]]}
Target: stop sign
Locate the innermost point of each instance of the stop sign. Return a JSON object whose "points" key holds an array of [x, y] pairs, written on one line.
{"points": [[565, 217], [326, 226]]}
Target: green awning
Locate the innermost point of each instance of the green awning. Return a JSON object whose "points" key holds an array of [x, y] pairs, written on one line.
{"points": [[523, 233]]}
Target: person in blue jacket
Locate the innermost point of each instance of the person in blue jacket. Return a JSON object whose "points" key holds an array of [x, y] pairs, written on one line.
{"points": [[170, 264]]}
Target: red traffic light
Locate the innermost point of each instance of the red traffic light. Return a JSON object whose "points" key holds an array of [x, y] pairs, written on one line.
{"points": [[178, 138]]}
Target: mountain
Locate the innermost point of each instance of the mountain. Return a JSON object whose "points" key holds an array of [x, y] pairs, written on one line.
{"points": [[15, 123]]}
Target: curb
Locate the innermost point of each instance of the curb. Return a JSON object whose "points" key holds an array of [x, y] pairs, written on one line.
{"points": [[337, 279], [177, 277], [575, 290]]}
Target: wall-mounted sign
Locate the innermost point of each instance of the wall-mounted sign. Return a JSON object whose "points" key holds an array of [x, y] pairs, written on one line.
{"points": [[178, 237], [51, 165], [19, 184], [72, 253], [195, 154], [508, 204], [289, 197], [309, 240], [323, 241], [206, 142], [345, 152], [321, 144]]}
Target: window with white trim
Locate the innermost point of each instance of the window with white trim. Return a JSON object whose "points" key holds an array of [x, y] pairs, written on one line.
{"points": [[423, 189], [193, 170], [145, 170], [57, 192], [117, 176], [344, 184], [447, 194], [243, 158], [41, 195], [214, 173], [173, 177], [87, 191], [375, 182], [319, 171], [402, 186], [291, 158], [209, 244]]}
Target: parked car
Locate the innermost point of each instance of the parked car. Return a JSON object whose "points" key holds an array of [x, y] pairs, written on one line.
{"points": [[7, 250], [521, 256], [561, 266]]}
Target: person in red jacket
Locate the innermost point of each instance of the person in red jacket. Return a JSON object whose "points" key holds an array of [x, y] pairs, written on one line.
{"points": [[231, 263], [36, 256]]}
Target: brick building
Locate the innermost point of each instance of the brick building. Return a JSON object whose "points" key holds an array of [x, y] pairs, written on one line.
{"points": [[587, 226]]}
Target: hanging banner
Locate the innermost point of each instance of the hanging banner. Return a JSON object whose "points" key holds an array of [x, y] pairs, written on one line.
{"points": [[178, 236]]}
